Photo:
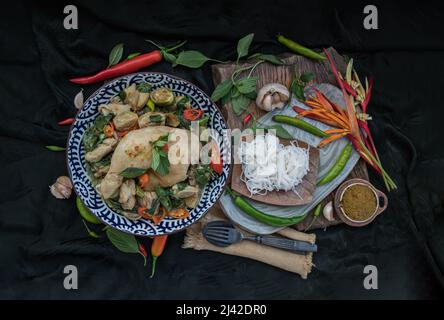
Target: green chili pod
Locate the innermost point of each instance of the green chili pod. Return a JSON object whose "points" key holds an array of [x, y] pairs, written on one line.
{"points": [[266, 218], [55, 148], [301, 124], [339, 165], [297, 48]]}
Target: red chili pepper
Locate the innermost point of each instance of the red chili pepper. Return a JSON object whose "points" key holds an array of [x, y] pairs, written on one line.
{"points": [[192, 114], [143, 252], [247, 118], [122, 68], [66, 122], [156, 250], [216, 160]]}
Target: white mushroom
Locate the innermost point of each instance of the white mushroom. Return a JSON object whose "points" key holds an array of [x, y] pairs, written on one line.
{"points": [[272, 96]]}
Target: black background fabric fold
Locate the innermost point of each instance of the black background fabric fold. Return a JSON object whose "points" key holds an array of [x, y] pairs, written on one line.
{"points": [[40, 235]]}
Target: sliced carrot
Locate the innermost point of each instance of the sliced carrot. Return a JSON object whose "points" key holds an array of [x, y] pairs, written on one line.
{"points": [[334, 131], [158, 218], [330, 139], [180, 213], [322, 99], [109, 130], [144, 179]]}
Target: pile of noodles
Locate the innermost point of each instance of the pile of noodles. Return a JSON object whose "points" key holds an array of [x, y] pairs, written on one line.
{"points": [[268, 165]]}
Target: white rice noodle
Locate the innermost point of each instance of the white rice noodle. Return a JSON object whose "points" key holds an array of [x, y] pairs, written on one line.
{"points": [[268, 165]]}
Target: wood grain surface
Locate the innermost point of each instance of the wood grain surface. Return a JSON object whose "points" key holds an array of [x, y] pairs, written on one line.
{"points": [[267, 73]]}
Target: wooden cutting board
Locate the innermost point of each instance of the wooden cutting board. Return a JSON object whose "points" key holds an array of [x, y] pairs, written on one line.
{"points": [[267, 73], [304, 191]]}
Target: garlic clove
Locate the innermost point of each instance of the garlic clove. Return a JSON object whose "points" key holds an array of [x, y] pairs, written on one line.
{"points": [[78, 100], [272, 96], [267, 103], [276, 98], [62, 188], [328, 212]]}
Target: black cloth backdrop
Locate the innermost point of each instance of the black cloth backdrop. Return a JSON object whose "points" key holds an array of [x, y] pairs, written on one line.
{"points": [[40, 234]]}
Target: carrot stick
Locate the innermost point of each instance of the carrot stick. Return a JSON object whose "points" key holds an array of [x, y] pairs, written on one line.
{"points": [[331, 138], [322, 99]]}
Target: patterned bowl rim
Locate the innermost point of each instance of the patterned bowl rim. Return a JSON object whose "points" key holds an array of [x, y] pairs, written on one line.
{"points": [[92, 95]]}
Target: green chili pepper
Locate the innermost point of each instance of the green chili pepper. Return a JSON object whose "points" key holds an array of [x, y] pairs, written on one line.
{"points": [[88, 216], [301, 124], [338, 166], [55, 148], [90, 232], [263, 217], [316, 214], [297, 48]]}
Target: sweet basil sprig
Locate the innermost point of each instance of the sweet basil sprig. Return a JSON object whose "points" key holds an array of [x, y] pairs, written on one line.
{"points": [[240, 91]]}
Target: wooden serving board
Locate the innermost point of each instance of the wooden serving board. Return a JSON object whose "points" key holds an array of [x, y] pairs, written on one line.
{"points": [[267, 73], [304, 190]]}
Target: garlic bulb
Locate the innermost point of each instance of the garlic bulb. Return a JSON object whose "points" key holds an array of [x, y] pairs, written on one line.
{"points": [[328, 211], [62, 188], [272, 96]]}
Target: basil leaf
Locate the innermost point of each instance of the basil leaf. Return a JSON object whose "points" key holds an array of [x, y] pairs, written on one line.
{"points": [[234, 93], [164, 166], [156, 118], [281, 132], [164, 197], [122, 95], [222, 90], [225, 100], [240, 104], [144, 87], [246, 85], [101, 121], [307, 77], [155, 159], [132, 55], [90, 139], [171, 58], [115, 55], [123, 241], [267, 57], [131, 172], [191, 59], [243, 45], [251, 95]]}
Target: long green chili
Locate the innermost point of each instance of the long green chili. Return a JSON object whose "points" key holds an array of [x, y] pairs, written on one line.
{"points": [[339, 165], [297, 48], [301, 124]]}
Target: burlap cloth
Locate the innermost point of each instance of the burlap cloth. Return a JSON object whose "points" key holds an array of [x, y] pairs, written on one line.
{"points": [[296, 263]]}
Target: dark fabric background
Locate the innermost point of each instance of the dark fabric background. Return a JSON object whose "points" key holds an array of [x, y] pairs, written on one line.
{"points": [[40, 235]]}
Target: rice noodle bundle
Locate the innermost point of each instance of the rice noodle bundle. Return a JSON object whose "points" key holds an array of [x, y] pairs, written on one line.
{"points": [[268, 165]]}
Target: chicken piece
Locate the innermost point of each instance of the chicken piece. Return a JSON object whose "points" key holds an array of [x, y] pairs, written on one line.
{"points": [[113, 108], [101, 172], [101, 150], [110, 185], [143, 99], [125, 120], [127, 195], [152, 119], [135, 150], [193, 201], [184, 192], [132, 96], [147, 200], [131, 215]]}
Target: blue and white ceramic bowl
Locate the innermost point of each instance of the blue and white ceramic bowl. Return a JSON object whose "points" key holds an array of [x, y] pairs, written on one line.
{"points": [[77, 164]]}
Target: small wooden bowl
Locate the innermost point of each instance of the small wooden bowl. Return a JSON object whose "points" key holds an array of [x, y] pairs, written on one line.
{"points": [[340, 211]]}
